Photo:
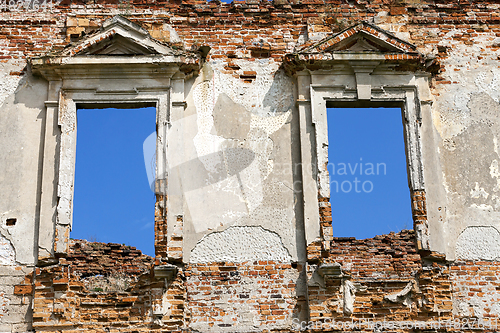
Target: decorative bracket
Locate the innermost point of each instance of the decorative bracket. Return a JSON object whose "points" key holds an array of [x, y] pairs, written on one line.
{"points": [[167, 272], [362, 71], [331, 270]]}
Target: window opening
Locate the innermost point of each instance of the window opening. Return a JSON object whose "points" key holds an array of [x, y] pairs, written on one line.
{"points": [[369, 191], [113, 201]]}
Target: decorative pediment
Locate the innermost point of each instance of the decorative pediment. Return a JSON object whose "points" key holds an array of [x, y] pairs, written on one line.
{"points": [[119, 36], [363, 37], [120, 48], [360, 48]]}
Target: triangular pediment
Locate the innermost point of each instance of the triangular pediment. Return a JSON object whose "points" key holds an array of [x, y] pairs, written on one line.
{"points": [[363, 37], [119, 36], [120, 48], [117, 45]]}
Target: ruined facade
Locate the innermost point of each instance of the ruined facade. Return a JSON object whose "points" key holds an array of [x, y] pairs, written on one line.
{"points": [[243, 233]]}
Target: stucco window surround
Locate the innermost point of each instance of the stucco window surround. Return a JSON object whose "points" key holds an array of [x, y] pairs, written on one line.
{"points": [[121, 66], [362, 66]]}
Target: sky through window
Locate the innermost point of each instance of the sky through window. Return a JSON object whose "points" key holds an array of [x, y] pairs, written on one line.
{"points": [[369, 190]]}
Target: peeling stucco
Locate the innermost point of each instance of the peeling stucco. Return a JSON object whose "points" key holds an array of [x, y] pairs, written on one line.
{"points": [[7, 253], [240, 244], [241, 139], [479, 243]]}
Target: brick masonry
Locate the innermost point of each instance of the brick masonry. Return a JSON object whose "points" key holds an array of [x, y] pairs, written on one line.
{"points": [[390, 280], [112, 288]]}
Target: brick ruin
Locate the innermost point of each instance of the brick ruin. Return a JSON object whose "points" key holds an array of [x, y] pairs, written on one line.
{"points": [[243, 234]]}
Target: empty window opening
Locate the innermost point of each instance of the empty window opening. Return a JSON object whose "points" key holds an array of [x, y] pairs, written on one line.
{"points": [[113, 202], [369, 191], [11, 222]]}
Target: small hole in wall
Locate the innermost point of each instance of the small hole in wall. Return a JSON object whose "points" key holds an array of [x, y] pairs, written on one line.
{"points": [[74, 37], [260, 54], [11, 222]]}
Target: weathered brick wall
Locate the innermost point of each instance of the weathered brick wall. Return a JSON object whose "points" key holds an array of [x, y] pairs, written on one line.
{"points": [[385, 256], [98, 287], [377, 268], [246, 29], [476, 287], [391, 285], [94, 258], [243, 296], [68, 297]]}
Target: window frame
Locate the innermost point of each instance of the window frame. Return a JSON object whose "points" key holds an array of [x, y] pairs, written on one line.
{"points": [[89, 84], [358, 83]]}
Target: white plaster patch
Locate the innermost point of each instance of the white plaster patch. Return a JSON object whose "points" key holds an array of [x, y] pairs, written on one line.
{"points": [[475, 306], [267, 99], [240, 244], [281, 220], [251, 180], [478, 243], [7, 253], [349, 292], [206, 144], [495, 308], [482, 207], [67, 120], [269, 124], [403, 296], [495, 173], [489, 82], [174, 37], [478, 192], [9, 82], [214, 206], [268, 95], [247, 161], [453, 118], [471, 70]]}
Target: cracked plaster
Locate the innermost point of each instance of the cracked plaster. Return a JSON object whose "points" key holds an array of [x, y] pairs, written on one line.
{"points": [[478, 243], [237, 125], [240, 244]]}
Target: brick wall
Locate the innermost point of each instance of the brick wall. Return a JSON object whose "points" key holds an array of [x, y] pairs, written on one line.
{"points": [[260, 295], [377, 268], [243, 29], [393, 284], [389, 280], [110, 286], [96, 286], [68, 297]]}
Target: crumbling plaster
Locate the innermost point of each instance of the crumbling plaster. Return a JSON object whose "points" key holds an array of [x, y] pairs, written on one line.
{"points": [[236, 140], [264, 107], [14, 309], [21, 99], [465, 117], [234, 126], [240, 244]]}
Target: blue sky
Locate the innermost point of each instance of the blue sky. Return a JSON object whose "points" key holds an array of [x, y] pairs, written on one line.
{"points": [[369, 190], [114, 202]]}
